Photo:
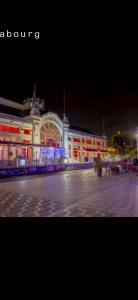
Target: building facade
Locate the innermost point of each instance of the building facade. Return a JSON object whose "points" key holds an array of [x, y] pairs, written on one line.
{"points": [[44, 137]]}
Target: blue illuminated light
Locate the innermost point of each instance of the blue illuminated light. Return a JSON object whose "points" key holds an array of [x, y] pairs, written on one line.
{"points": [[52, 153]]}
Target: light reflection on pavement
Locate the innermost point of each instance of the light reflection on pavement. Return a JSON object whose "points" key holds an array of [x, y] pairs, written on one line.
{"points": [[69, 194]]}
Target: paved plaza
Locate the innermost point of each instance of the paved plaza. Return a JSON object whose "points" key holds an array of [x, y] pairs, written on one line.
{"points": [[69, 194]]}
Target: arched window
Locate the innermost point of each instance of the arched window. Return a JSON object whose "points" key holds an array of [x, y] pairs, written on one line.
{"points": [[50, 135]]}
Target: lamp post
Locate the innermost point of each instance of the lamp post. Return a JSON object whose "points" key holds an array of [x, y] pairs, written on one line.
{"points": [[137, 139]]}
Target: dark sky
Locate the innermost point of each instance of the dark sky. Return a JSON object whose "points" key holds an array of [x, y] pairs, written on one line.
{"points": [[96, 65]]}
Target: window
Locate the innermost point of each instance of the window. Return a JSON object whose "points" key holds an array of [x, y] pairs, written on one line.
{"points": [[88, 142], [26, 131], [76, 140], [98, 143], [9, 129]]}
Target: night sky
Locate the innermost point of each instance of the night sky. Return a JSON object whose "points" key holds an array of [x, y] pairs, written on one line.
{"points": [[96, 67]]}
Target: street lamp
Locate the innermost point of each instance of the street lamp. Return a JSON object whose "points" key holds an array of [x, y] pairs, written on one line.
{"points": [[137, 139]]}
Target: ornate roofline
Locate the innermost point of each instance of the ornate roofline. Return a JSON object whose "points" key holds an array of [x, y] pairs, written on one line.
{"points": [[14, 118], [87, 134], [11, 103]]}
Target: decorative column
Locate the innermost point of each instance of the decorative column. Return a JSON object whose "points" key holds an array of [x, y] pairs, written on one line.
{"points": [[3, 155], [16, 155], [8, 153], [72, 151], [36, 137], [65, 135]]}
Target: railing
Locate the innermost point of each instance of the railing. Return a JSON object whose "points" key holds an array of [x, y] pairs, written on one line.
{"points": [[24, 163], [36, 169], [78, 166]]}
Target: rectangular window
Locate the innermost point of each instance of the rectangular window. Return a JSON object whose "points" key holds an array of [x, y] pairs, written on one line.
{"points": [[98, 143], [9, 129], [76, 140], [26, 131]]}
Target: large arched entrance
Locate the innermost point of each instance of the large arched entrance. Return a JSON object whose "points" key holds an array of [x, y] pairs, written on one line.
{"points": [[50, 135]]}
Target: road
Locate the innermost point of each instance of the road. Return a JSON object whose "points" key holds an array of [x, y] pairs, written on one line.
{"points": [[69, 194]]}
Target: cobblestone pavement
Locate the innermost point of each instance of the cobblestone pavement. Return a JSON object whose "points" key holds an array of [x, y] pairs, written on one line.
{"points": [[69, 194]]}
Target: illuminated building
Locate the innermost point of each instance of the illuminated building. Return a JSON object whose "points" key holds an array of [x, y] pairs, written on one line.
{"points": [[26, 131]]}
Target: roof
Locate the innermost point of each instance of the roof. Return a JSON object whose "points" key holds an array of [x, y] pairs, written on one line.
{"points": [[13, 108], [80, 129], [10, 103], [85, 132], [16, 109], [15, 118], [9, 110]]}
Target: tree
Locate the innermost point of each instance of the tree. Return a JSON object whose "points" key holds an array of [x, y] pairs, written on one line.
{"points": [[133, 153], [118, 144]]}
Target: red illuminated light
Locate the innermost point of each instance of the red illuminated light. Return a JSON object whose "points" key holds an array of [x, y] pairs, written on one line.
{"points": [[9, 129], [26, 131], [76, 140], [13, 129]]}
